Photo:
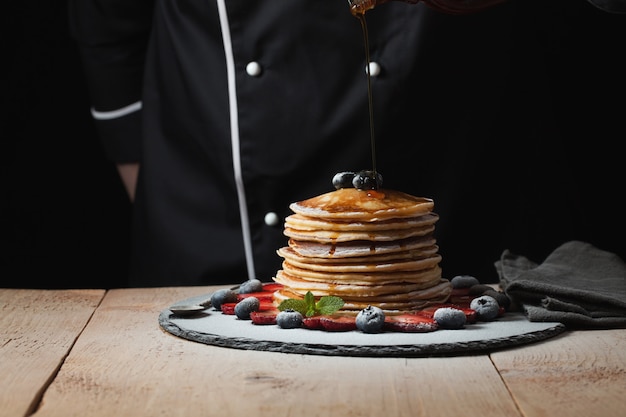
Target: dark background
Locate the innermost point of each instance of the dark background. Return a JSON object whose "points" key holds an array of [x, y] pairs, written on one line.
{"points": [[64, 215]]}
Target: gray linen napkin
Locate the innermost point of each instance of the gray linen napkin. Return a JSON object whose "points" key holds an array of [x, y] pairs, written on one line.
{"points": [[578, 285]]}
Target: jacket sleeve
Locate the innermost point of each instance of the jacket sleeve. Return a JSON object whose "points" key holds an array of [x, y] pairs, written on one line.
{"points": [[112, 37]]}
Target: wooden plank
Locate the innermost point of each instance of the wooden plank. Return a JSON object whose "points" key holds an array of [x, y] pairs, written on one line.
{"points": [[125, 364], [579, 373], [39, 328]]}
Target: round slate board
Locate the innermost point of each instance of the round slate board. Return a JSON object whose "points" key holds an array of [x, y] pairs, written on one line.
{"points": [[214, 328]]}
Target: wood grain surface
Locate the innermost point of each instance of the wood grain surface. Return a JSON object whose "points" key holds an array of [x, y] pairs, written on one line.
{"points": [[38, 330], [580, 373], [124, 364]]}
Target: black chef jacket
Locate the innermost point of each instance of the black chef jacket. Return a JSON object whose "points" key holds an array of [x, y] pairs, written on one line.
{"points": [[243, 107]]}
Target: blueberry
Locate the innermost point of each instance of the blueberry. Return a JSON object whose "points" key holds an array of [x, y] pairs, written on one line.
{"points": [[222, 296], [246, 306], [289, 319], [479, 289], [464, 281], [503, 300], [367, 180], [370, 319], [343, 180], [450, 318], [486, 307], [251, 285]]}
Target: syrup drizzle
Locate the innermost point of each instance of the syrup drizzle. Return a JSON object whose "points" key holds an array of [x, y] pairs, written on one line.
{"points": [[360, 14]]}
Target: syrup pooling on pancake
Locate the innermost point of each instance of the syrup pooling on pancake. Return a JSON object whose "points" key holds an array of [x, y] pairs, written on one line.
{"points": [[363, 205], [369, 247]]}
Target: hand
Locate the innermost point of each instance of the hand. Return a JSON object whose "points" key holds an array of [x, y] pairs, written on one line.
{"points": [[128, 173]]}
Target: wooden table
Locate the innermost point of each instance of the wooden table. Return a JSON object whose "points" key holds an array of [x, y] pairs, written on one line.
{"points": [[102, 353]]}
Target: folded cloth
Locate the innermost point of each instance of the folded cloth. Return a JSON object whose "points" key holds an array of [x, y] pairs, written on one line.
{"points": [[578, 285]]}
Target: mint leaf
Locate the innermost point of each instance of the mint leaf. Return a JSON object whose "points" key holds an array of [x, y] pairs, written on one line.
{"points": [[309, 299], [328, 304], [308, 307], [293, 304]]}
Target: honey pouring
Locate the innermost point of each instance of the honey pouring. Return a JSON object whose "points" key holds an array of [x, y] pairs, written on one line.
{"points": [[358, 9]]}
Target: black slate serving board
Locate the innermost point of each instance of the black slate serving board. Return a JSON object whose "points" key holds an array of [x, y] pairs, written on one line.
{"points": [[211, 327]]}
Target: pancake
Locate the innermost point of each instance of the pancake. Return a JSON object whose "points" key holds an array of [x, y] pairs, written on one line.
{"points": [[366, 267], [361, 205], [390, 304], [369, 247], [351, 288], [287, 252], [422, 278], [355, 285], [303, 223], [359, 248], [325, 236]]}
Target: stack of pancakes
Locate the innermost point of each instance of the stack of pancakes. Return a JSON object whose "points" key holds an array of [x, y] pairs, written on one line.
{"points": [[369, 247]]}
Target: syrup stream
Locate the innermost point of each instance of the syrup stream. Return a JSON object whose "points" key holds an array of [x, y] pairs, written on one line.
{"points": [[361, 17]]}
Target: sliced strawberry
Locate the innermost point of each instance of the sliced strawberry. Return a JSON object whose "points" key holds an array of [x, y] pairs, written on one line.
{"points": [[312, 323], [272, 286], [264, 317], [261, 295], [338, 323], [413, 323], [228, 308], [470, 315], [265, 305]]}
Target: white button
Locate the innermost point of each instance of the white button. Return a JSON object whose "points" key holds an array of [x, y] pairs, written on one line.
{"points": [[253, 69], [271, 219], [374, 69]]}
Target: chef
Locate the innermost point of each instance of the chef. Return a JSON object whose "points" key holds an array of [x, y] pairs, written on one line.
{"points": [[229, 110]]}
